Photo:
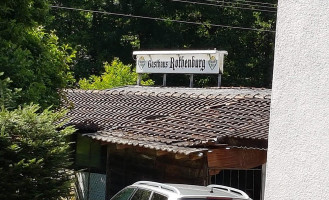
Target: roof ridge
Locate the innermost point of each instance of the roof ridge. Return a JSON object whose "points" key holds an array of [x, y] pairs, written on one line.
{"points": [[201, 95]]}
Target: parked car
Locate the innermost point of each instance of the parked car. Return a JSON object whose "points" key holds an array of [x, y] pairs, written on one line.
{"points": [[146, 190]]}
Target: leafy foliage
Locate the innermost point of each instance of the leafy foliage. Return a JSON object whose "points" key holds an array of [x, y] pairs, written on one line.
{"points": [[100, 37], [30, 56], [17, 16], [8, 96], [34, 151], [116, 74], [34, 154]]}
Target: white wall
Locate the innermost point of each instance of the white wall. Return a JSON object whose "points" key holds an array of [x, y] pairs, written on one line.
{"points": [[298, 153]]}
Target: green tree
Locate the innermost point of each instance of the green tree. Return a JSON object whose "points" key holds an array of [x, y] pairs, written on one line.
{"points": [[34, 154], [31, 56], [101, 37], [116, 74], [8, 96]]}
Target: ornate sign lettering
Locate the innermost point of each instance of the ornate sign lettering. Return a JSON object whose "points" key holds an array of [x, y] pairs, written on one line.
{"points": [[187, 62]]}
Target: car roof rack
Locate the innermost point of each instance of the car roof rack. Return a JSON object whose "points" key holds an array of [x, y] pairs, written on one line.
{"points": [[159, 185], [229, 189]]}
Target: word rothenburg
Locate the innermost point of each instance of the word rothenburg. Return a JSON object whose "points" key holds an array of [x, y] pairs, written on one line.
{"points": [[178, 63]]}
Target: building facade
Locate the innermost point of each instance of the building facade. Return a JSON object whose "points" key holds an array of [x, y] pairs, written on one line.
{"points": [[177, 135]]}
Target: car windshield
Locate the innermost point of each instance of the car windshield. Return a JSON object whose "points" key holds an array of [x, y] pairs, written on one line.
{"points": [[124, 194], [207, 198]]}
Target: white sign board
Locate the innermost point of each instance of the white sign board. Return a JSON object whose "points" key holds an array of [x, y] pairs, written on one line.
{"points": [[180, 62]]}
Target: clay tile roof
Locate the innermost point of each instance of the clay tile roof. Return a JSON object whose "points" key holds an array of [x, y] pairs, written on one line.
{"points": [[146, 142], [181, 120]]}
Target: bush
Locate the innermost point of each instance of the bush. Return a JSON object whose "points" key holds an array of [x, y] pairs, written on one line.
{"points": [[116, 74], [34, 154]]}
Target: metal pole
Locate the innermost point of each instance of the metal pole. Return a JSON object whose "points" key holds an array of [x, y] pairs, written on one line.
{"points": [[89, 156], [164, 82], [108, 175], [139, 79], [219, 80], [263, 181], [191, 80]]}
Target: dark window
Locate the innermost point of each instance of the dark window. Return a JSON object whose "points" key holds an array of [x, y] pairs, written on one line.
{"points": [[141, 195], [90, 154], [156, 196], [249, 181], [123, 194]]}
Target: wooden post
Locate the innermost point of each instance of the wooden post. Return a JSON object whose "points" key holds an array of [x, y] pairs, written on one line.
{"points": [[139, 79], [108, 174], [219, 80], [164, 82], [207, 178], [191, 80]]}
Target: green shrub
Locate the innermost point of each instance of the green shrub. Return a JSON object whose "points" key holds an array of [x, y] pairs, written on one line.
{"points": [[34, 154], [116, 74]]}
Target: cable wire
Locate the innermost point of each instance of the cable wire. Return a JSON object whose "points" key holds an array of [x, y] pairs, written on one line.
{"points": [[161, 19], [245, 1], [242, 3], [257, 2], [210, 4]]}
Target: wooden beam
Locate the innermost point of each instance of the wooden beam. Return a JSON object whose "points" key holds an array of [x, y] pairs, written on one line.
{"points": [[180, 156], [143, 150], [214, 171], [161, 153], [104, 143], [196, 156], [122, 146], [236, 158]]}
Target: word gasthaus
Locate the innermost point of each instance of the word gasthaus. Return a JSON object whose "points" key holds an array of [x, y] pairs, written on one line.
{"points": [[178, 63]]}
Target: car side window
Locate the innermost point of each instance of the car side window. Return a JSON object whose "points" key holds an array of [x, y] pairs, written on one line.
{"points": [[141, 194], [157, 196], [124, 194]]}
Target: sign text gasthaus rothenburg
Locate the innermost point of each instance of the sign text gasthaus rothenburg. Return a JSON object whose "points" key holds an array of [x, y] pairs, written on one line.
{"points": [[178, 62]]}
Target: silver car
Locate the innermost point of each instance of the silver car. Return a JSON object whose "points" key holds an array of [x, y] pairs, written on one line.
{"points": [[146, 190]]}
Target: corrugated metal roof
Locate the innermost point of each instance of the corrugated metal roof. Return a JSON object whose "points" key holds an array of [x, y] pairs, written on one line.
{"points": [[175, 117]]}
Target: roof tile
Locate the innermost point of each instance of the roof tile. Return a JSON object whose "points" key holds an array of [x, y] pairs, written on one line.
{"points": [[177, 118]]}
